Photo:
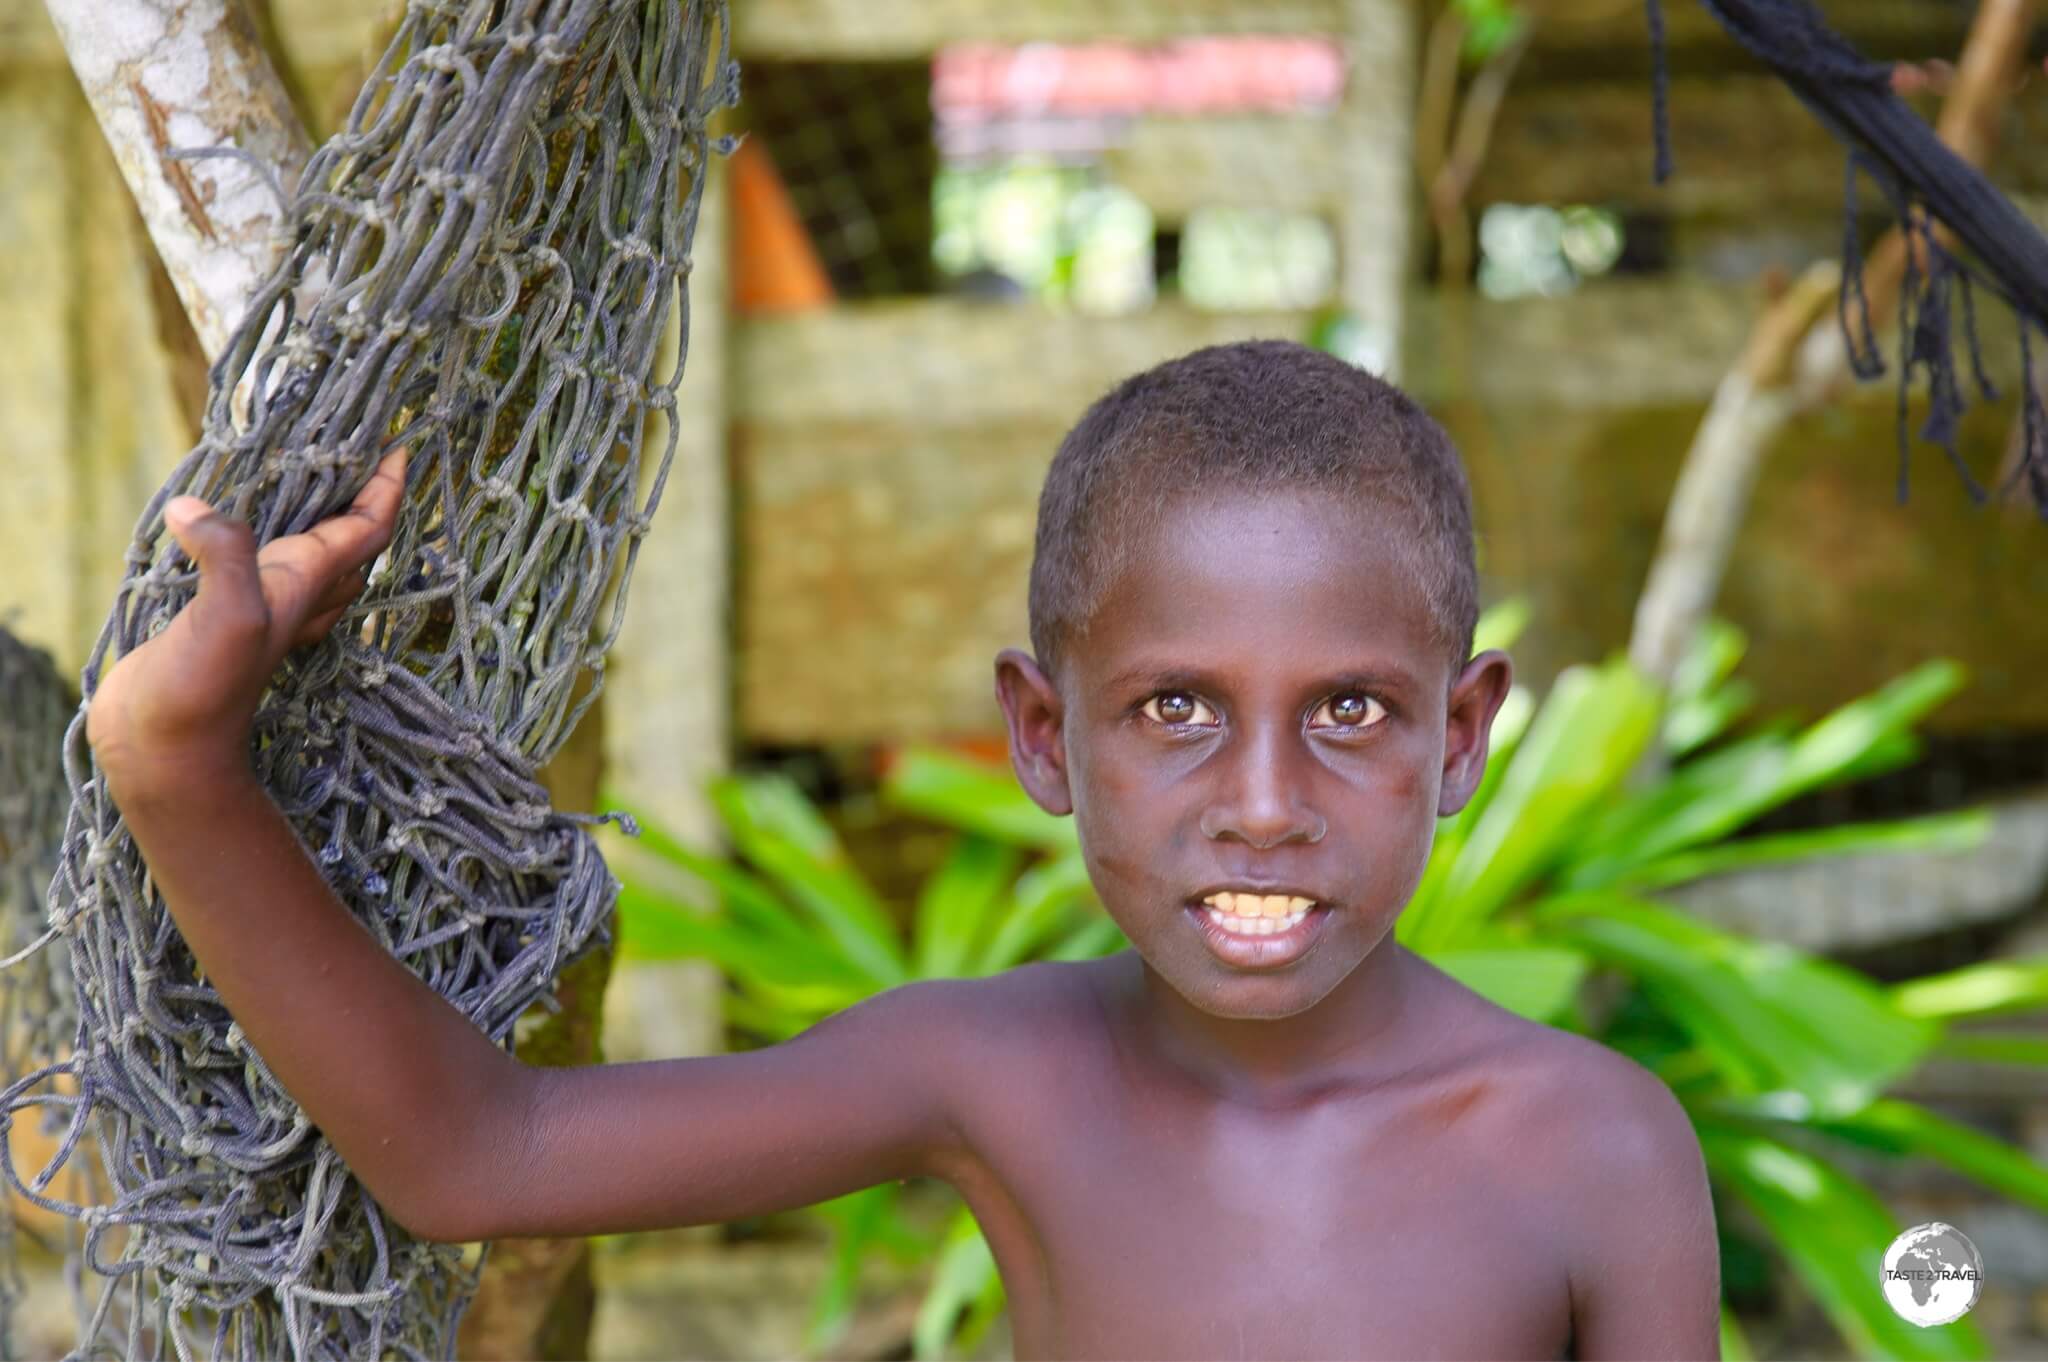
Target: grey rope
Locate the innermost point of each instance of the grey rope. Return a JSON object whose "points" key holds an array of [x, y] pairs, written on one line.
{"points": [[479, 265]]}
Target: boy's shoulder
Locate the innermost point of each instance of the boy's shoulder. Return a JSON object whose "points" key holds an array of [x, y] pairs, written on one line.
{"points": [[1589, 1126], [1572, 1085]]}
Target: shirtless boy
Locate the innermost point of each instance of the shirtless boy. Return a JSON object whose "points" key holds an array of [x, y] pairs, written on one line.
{"points": [[1270, 1136]]}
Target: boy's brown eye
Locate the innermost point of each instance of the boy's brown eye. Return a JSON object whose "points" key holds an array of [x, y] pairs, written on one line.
{"points": [[1355, 710], [1174, 707]]}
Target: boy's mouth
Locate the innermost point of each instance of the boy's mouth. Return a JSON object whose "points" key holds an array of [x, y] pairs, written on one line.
{"points": [[1258, 929]]}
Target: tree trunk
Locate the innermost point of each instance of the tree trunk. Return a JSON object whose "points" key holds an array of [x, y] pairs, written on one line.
{"points": [[167, 76], [172, 75]]}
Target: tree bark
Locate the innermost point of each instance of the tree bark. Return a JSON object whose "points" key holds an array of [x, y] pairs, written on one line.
{"points": [[165, 76]]}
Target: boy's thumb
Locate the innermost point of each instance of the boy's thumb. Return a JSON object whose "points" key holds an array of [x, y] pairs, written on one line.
{"points": [[223, 548], [180, 512]]}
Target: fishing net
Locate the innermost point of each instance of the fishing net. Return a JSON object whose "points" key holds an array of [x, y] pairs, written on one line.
{"points": [[480, 266], [1923, 182], [36, 1016]]}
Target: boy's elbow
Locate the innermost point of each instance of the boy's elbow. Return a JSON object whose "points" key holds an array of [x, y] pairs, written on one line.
{"points": [[447, 1182]]}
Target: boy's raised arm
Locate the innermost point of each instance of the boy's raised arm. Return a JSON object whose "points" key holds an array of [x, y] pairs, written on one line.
{"points": [[457, 1139]]}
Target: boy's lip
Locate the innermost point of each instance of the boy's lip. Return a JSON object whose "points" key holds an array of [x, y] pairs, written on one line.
{"points": [[1274, 951]]}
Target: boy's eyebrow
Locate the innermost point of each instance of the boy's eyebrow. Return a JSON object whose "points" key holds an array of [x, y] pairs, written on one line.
{"points": [[1193, 678]]}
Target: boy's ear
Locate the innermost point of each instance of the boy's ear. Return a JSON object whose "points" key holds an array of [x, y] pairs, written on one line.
{"points": [[1038, 746], [1476, 697]]}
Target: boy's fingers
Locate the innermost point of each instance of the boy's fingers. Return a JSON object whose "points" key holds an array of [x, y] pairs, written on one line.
{"points": [[317, 627], [360, 533], [325, 562], [230, 591]]}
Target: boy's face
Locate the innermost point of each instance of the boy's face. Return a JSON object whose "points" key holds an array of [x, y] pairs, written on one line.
{"points": [[1259, 703]]}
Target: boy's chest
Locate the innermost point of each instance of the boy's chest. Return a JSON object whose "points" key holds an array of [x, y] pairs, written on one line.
{"points": [[1168, 1234]]}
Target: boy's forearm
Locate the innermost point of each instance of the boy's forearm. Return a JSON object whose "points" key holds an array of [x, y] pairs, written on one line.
{"points": [[415, 1099]]}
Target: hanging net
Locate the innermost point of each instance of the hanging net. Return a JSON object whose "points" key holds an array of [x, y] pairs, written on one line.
{"points": [[36, 1016], [1924, 183], [480, 266]]}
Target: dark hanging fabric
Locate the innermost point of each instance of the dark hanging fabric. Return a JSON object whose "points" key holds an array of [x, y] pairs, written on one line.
{"points": [[1923, 181]]}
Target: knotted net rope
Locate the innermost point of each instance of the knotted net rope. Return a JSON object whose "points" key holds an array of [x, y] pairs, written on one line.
{"points": [[480, 266], [36, 1015], [1923, 182]]}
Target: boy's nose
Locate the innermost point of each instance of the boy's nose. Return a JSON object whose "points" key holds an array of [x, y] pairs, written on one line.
{"points": [[1258, 801]]}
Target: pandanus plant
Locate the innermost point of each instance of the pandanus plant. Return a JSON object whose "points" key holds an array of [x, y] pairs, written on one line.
{"points": [[1540, 894]]}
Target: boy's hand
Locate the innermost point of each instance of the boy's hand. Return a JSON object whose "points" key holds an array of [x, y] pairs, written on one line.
{"points": [[180, 703]]}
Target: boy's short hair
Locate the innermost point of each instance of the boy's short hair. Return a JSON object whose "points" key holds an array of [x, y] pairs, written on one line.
{"points": [[1246, 417]]}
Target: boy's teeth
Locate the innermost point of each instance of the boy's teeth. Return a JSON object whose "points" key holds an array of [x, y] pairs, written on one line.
{"points": [[1233, 904], [1243, 924]]}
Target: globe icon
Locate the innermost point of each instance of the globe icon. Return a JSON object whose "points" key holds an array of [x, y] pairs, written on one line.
{"points": [[1932, 1274]]}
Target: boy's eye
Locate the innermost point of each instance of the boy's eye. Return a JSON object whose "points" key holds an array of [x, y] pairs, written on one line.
{"points": [[1175, 707], [1353, 710]]}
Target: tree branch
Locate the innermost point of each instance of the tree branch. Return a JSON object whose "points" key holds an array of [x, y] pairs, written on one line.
{"points": [[167, 76], [1795, 361]]}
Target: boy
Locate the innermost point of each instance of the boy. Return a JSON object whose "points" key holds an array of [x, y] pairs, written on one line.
{"points": [[1268, 1131]]}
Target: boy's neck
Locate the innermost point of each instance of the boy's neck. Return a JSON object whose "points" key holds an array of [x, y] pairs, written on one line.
{"points": [[1348, 1039]]}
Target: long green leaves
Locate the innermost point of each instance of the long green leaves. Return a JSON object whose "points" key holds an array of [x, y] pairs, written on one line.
{"points": [[1538, 982], [1834, 1233], [1996, 986], [777, 829], [1905, 1128], [974, 797], [1580, 745], [1773, 1019], [1715, 794]]}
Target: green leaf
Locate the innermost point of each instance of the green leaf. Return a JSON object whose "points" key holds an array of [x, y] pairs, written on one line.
{"points": [[1834, 1232], [1537, 982], [1581, 744], [654, 928], [966, 1275], [1847, 736], [857, 1220], [1490, 25], [956, 902], [1500, 624], [747, 896], [1042, 902], [776, 828], [1709, 661], [1510, 724], [1916, 1131], [1958, 831], [974, 797], [771, 1021], [1691, 726], [1703, 701], [1995, 986], [1996, 1047], [1735, 1345], [1098, 936], [1773, 1018], [1713, 795]]}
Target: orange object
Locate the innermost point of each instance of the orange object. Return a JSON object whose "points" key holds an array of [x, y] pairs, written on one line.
{"points": [[775, 266]]}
